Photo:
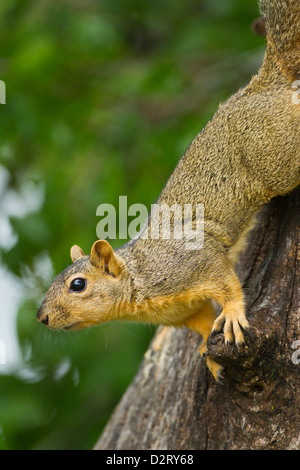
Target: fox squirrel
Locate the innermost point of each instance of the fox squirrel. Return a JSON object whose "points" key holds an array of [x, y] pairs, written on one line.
{"points": [[248, 153]]}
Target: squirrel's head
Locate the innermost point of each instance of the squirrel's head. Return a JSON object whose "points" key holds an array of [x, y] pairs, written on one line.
{"points": [[88, 292]]}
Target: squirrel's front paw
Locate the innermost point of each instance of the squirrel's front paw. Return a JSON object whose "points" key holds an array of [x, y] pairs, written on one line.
{"points": [[232, 325]]}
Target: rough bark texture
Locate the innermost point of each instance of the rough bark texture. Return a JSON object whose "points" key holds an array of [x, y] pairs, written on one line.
{"points": [[174, 403]]}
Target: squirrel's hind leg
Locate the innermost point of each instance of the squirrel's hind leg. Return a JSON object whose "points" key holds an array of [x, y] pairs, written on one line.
{"points": [[227, 292], [202, 323]]}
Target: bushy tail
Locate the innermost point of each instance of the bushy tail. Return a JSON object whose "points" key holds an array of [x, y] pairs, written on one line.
{"points": [[282, 21]]}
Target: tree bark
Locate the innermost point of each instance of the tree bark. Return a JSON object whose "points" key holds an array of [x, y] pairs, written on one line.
{"points": [[174, 402]]}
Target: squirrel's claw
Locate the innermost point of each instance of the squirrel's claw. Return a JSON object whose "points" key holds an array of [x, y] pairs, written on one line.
{"points": [[232, 326]]}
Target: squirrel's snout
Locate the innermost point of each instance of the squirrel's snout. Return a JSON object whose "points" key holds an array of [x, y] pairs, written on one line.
{"points": [[42, 316]]}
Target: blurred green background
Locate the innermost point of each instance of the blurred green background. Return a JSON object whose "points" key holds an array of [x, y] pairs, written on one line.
{"points": [[102, 98]]}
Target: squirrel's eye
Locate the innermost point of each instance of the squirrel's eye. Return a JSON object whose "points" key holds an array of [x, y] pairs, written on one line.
{"points": [[78, 285]]}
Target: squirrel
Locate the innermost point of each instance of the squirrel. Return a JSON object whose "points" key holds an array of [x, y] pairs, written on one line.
{"points": [[248, 153]]}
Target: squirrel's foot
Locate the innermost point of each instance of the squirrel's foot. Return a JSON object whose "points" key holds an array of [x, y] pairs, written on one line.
{"points": [[232, 325], [213, 367]]}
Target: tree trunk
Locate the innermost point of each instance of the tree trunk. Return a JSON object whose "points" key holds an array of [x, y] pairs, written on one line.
{"points": [[174, 403]]}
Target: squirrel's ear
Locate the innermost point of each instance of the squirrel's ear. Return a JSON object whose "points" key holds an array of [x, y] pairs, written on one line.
{"points": [[102, 256], [76, 253]]}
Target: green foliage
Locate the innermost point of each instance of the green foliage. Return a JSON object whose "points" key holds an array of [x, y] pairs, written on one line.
{"points": [[103, 97]]}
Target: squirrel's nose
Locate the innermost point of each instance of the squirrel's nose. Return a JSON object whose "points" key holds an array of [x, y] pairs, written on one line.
{"points": [[42, 317]]}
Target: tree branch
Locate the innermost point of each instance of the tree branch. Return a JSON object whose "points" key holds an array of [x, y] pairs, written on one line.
{"points": [[174, 403]]}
